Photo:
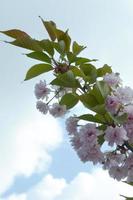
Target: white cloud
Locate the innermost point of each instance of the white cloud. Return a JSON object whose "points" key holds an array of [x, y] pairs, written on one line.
{"points": [[97, 185], [49, 188], [17, 197], [84, 186], [26, 149]]}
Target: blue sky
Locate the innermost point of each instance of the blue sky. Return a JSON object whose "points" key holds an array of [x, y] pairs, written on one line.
{"points": [[36, 160]]}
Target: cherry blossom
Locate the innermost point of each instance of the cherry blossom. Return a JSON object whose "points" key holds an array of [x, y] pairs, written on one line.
{"points": [[130, 176], [93, 153], [112, 104], [88, 134], [118, 172], [113, 159], [57, 110], [112, 79], [115, 135], [124, 94], [41, 91], [71, 125], [129, 110], [42, 107]]}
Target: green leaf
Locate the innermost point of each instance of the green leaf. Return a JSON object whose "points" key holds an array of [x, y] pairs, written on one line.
{"points": [[103, 70], [62, 45], [77, 72], [67, 80], [93, 118], [27, 43], [63, 36], [130, 183], [47, 46], [87, 69], [97, 94], [90, 71], [100, 90], [39, 56], [59, 47], [76, 48], [91, 102], [108, 118], [103, 88], [71, 57], [15, 33], [101, 139], [50, 27], [119, 119], [70, 100], [88, 100], [99, 109], [58, 34], [81, 60], [37, 70], [127, 198], [102, 127]]}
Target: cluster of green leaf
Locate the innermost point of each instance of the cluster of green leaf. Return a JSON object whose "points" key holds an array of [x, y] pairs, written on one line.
{"points": [[60, 55]]}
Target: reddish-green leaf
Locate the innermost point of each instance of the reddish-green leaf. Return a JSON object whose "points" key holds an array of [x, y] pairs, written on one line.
{"points": [[27, 43], [50, 27], [15, 33]]}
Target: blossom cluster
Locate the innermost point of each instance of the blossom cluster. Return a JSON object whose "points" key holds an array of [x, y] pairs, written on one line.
{"points": [[41, 92], [85, 138]]}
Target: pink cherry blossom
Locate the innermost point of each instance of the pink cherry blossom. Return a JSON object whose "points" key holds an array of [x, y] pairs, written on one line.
{"points": [[129, 161], [41, 91], [75, 141], [129, 128], [71, 125], [129, 110], [130, 176], [112, 104], [57, 110], [61, 91], [42, 107], [118, 172], [115, 135], [93, 153], [88, 134], [113, 159], [125, 95], [112, 79]]}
